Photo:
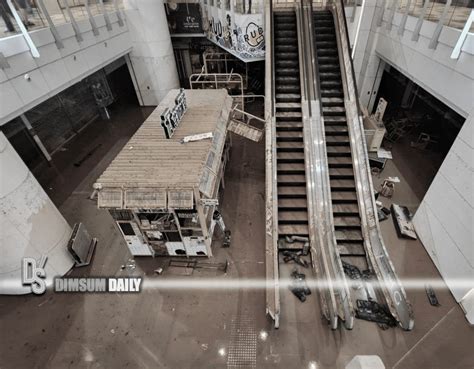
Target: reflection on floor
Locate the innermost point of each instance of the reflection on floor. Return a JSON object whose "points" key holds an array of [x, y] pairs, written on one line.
{"points": [[210, 329]]}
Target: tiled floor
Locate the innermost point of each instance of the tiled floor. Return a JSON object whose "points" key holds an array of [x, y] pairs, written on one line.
{"points": [[211, 329]]}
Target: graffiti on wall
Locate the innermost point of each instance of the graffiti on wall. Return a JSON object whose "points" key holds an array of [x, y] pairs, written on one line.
{"points": [[246, 40]]}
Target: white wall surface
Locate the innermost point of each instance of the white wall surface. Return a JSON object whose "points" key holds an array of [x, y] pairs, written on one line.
{"points": [[444, 219], [152, 57], [56, 69], [30, 224]]}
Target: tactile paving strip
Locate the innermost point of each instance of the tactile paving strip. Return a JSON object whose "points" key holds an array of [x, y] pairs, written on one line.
{"points": [[243, 344]]}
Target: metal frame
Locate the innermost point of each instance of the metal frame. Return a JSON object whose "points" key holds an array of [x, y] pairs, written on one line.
{"points": [[95, 30], [390, 285], [325, 257], [119, 14], [106, 15], [33, 134], [381, 13], [434, 39], [272, 272], [4, 64], [457, 49], [401, 27], [74, 25], [34, 51], [416, 32], [52, 27], [391, 15], [196, 79]]}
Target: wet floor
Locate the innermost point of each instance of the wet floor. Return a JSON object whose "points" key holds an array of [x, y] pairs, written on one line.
{"points": [[210, 329]]}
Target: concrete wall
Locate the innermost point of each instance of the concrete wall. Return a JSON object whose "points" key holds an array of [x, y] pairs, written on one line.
{"points": [[56, 69], [30, 224], [152, 58], [444, 219]]}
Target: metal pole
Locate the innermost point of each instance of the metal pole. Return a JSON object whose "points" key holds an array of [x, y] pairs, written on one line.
{"points": [[24, 31], [106, 15], [401, 27], [419, 23], [391, 15], [439, 26], [457, 49], [119, 14], [33, 134], [382, 11], [95, 30], [52, 27], [75, 27]]}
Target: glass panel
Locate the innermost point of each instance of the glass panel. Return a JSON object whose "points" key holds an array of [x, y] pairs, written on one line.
{"points": [[461, 9]]}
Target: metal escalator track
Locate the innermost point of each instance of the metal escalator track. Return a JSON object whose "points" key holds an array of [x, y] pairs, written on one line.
{"points": [[355, 223], [347, 221], [291, 178]]}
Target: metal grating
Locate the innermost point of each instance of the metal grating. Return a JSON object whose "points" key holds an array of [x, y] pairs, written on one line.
{"points": [[180, 199], [147, 199], [243, 344], [110, 199]]}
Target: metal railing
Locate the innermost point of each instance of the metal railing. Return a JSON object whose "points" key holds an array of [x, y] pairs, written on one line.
{"points": [[38, 14]]}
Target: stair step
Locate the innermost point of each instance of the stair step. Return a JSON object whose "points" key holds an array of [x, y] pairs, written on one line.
{"points": [[292, 191], [332, 101], [288, 114], [345, 209], [293, 230], [349, 235], [339, 196], [338, 150], [292, 217], [351, 249], [290, 157], [339, 161], [334, 110], [289, 126], [341, 173], [346, 222], [288, 97], [288, 168], [342, 184], [291, 179], [292, 204]]}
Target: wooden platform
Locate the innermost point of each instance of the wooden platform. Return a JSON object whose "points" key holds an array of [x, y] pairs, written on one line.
{"points": [[155, 169]]}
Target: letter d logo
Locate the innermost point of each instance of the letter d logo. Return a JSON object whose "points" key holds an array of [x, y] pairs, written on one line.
{"points": [[34, 275]]}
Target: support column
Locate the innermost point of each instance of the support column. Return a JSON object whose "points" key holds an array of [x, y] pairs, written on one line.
{"points": [[152, 57], [31, 225]]}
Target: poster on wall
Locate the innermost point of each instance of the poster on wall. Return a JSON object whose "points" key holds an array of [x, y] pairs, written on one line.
{"points": [[245, 40], [184, 18]]}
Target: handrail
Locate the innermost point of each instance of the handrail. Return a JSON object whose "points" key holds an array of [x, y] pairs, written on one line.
{"points": [[271, 222], [390, 285], [325, 221]]}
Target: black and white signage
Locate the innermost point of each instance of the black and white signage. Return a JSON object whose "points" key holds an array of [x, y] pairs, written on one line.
{"points": [[171, 117]]}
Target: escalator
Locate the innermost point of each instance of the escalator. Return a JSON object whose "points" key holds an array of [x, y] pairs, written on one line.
{"points": [[291, 179]]}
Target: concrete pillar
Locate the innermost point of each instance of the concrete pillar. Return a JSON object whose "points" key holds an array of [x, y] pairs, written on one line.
{"points": [[152, 57], [368, 67], [30, 224]]}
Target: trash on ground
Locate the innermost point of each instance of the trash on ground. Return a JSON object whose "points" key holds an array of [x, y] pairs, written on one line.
{"points": [[158, 271], [402, 220], [295, 256], [384, 154], [299, 287], [372, 311], [431, 296]]}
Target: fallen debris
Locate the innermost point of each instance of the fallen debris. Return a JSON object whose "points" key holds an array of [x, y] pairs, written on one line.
{"points": [[296, 257], [372, 311], [431, 296], [197, 137], [402, 220], [299, 287], [227, 238]]}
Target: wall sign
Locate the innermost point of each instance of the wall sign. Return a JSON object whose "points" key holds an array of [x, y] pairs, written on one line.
{"points": [[246, 39], [171, 117], [184, 18]]}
